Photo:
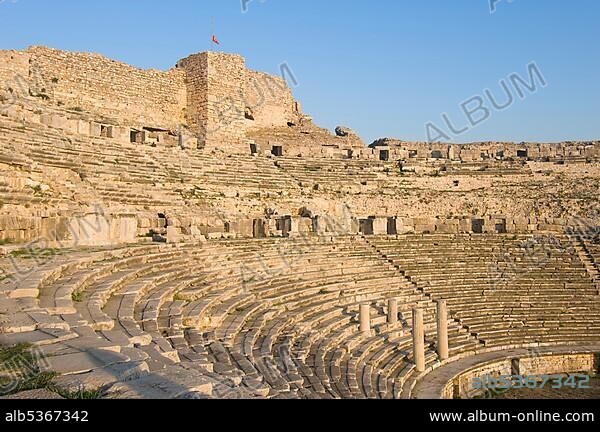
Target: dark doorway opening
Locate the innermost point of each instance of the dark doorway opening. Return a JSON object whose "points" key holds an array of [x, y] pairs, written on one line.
{"points": [[501, 226], [137, 137], [277, 151], [259, 229], [384, 155], [392, 227], [366, 227], [477, 226], [284, 225], [106, 131]]}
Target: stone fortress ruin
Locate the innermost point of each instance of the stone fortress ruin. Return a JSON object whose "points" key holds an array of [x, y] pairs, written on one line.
{"points": [[193, 233]]}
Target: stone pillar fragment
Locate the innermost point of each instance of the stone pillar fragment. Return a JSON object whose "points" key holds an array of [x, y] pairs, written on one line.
{"points": [[419, 339], [442, 328], [393, 312], [365, 318]]}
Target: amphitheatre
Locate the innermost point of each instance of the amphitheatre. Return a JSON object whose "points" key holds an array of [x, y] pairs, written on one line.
{"points": [[192, 233]]}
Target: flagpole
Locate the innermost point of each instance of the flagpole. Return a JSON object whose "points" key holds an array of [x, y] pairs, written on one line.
{"points": [[212, 33], [213, 37]]}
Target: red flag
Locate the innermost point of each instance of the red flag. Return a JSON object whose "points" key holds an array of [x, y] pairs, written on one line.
{"points": [[215, 41]]}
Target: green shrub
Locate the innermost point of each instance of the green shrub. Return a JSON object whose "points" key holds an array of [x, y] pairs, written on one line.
{"points": [[81, 394], [77, 297]]}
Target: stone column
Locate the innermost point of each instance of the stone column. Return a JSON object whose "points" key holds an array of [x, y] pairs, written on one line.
{"points": [[419, 339], [365, 318], [442, 328], [392, 312]]}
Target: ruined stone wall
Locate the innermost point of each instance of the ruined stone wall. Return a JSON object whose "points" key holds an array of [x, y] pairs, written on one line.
{"points": [[14, 75], [462, 386], [61, 231], [270, 101], [196, 70], [216, 107], [211, 93], [477, 152], [571, 363], [99, 85], [558, 364]]}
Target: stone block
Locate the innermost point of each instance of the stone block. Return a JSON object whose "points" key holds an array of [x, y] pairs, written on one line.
{"points": [[95, 129], [447, 227], [425, 229], [83, 127], [425, 221], [144, 223], [123, 229], [465, 225], [11, 223], [380, 226], [305, 225], [90, 230], [174, 235]]}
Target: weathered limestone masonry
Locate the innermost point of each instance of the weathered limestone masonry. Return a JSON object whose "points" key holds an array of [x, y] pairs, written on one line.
{"points": [[392, 149], [225, 100], [212, 93], [216, 108], [14, 70], [269, 102], [85, 229], [206, 156], [85, 129], [94, 83], [461, 386]]}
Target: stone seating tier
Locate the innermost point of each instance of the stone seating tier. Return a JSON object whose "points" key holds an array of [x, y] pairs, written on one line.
{"points": [[257, 318]]}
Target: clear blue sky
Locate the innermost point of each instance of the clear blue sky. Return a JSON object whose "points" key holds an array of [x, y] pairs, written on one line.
{"points": [[383, 67]]}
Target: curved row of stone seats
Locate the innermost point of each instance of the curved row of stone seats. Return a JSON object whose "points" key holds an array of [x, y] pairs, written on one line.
{"points": [[276, 318], [10, 157], [69, 277], [43, 327], [236, 322], [120, 173], [499, 290], [19, 196], [331, 173], [264, 339], [111, 301], [138, 175], [495, 168], [129, 284], [262, 390], [332, 319], [384, 349], [216, 171], [586, 243], [123, 172], [87, 312]]}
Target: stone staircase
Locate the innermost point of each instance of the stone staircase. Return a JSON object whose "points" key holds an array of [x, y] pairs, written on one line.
{"points": [[550, 300], [588, 251]]}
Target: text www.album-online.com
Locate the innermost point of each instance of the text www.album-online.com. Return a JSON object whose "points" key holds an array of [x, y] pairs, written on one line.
{"points": [[537, 416]]}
